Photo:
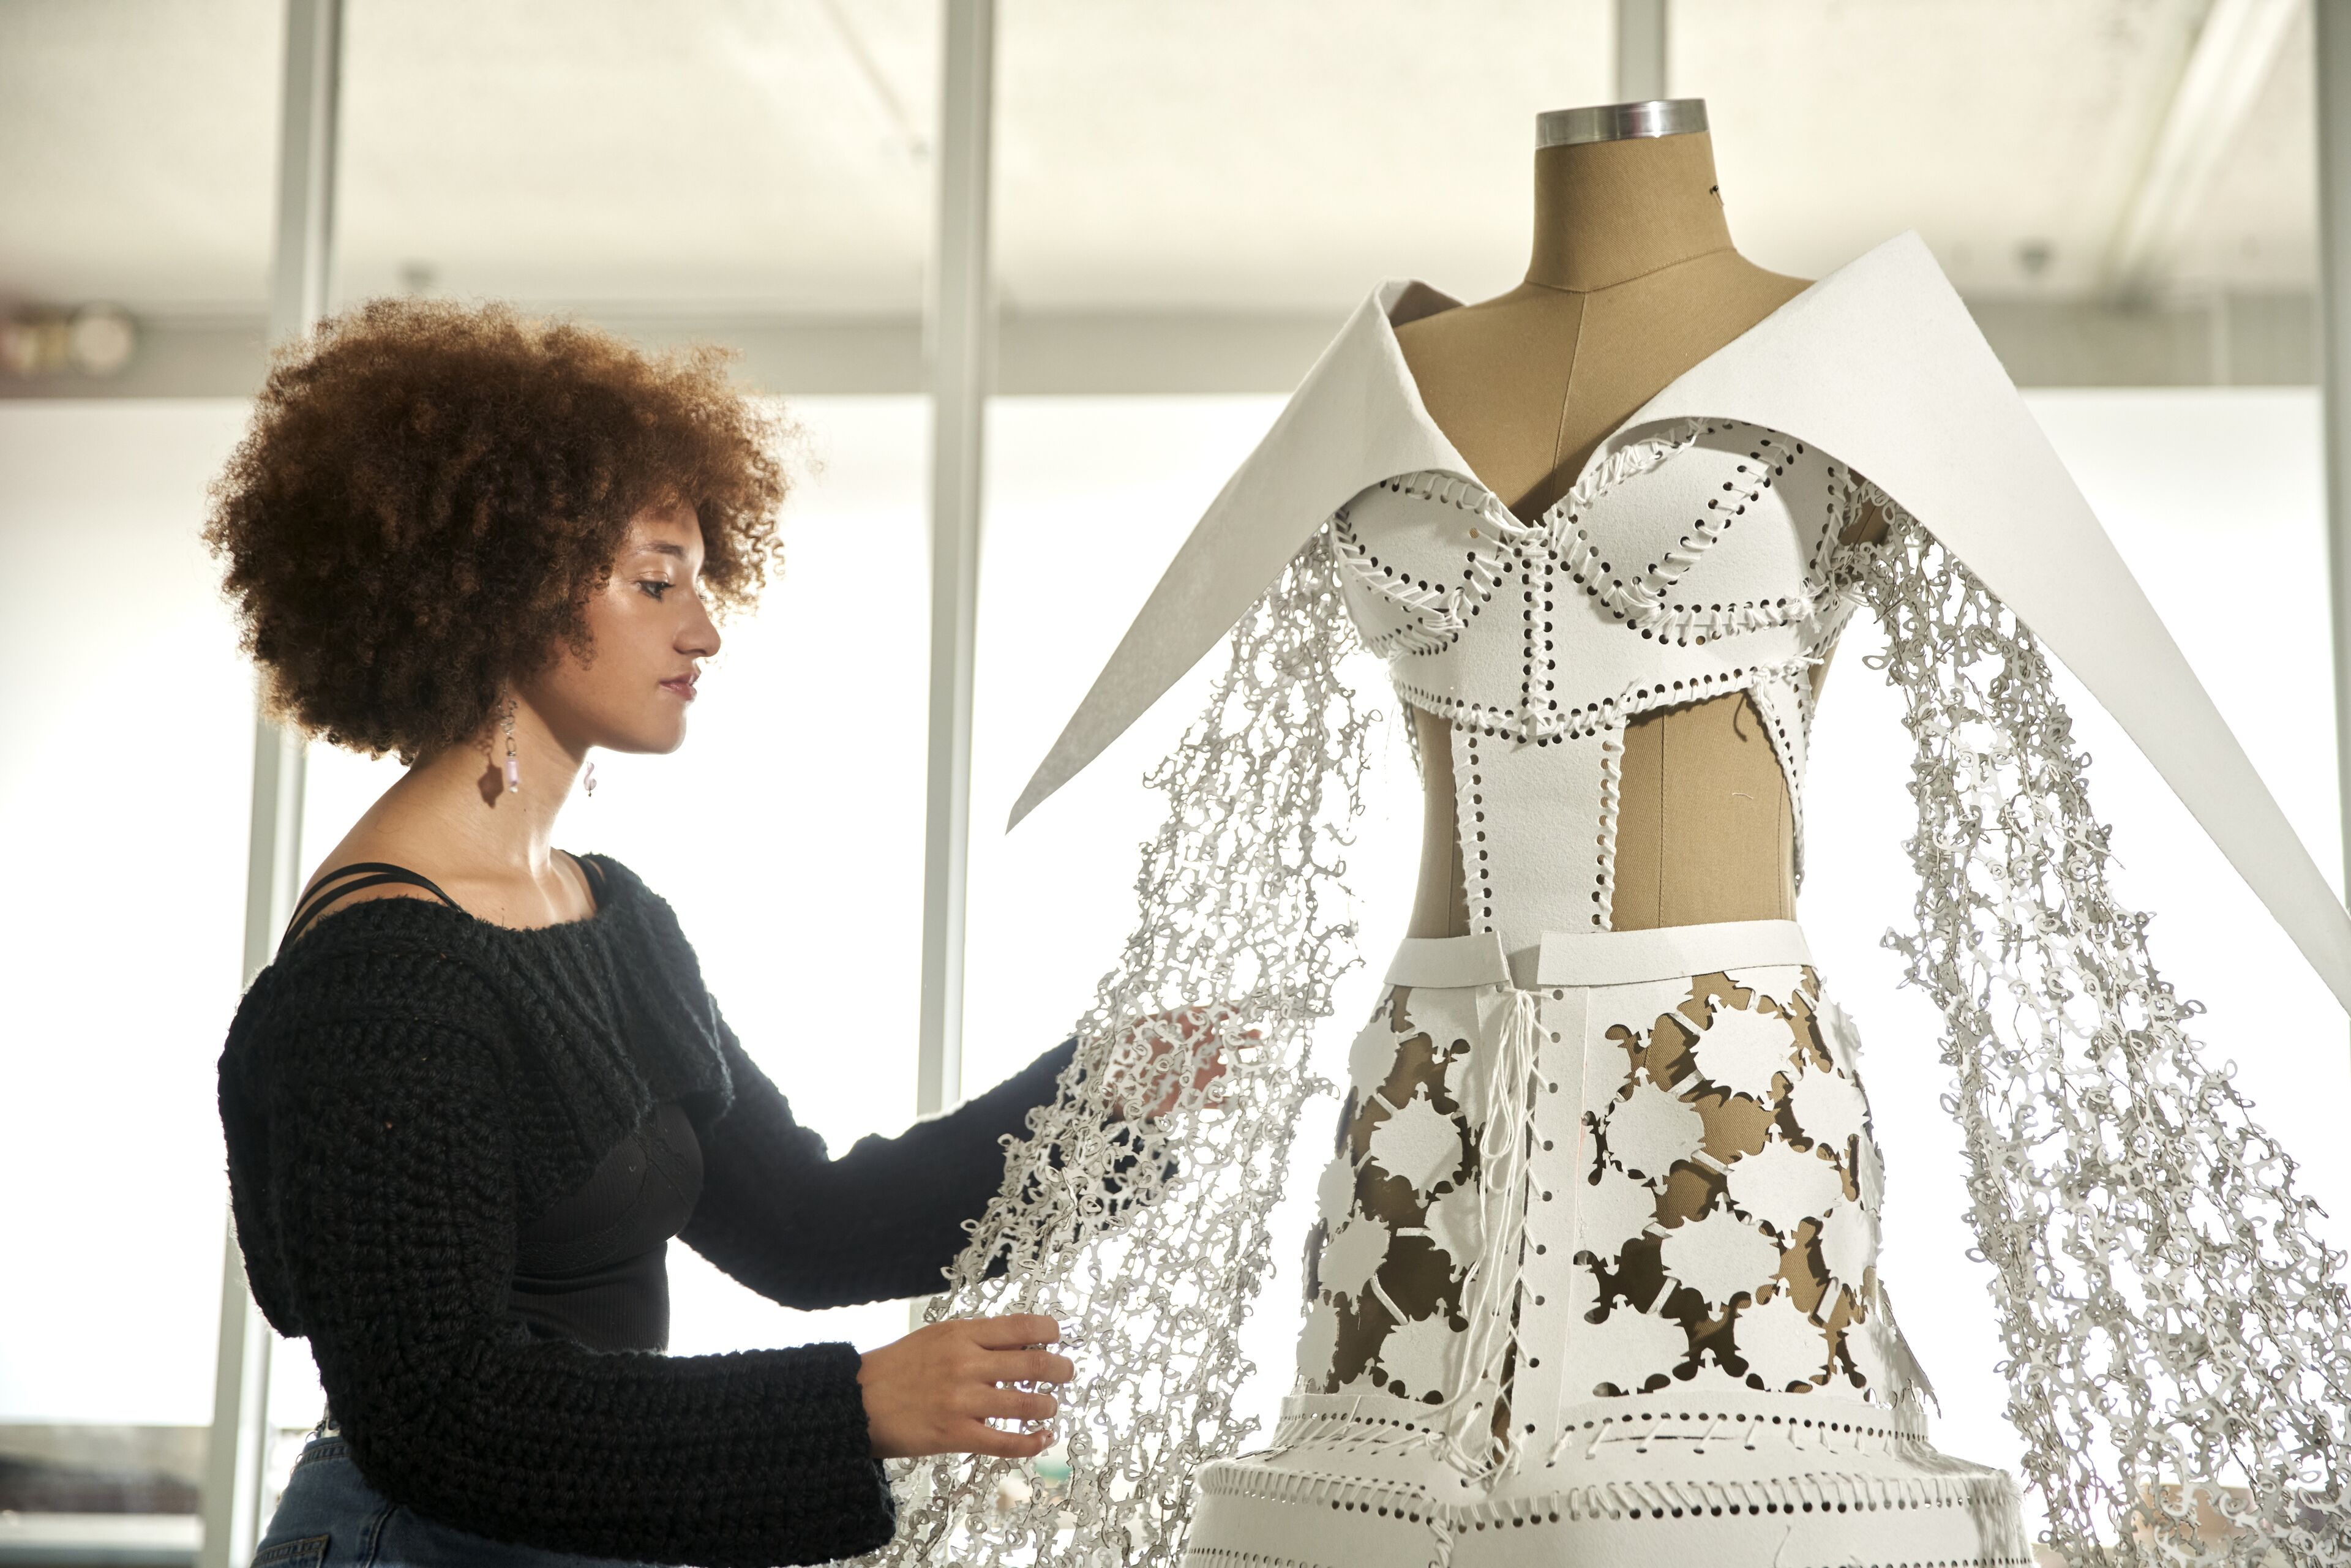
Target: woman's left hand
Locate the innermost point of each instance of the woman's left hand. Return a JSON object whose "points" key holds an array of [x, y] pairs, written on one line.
{"points": [[1195, 1034]]}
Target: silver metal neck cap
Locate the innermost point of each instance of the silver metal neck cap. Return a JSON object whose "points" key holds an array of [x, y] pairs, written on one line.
{"points": [[1619, 122]]}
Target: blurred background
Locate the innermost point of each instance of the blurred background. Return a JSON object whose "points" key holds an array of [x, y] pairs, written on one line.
{"points": [[1161, 212]]}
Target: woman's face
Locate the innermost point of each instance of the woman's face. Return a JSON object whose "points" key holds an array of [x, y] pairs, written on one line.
{"points": [[648, 634]]}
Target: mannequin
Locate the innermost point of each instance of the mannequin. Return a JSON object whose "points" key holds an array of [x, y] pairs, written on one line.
{"points": [[1633, 279]]}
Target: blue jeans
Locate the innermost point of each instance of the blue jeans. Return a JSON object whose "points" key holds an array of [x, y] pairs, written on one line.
{"points": [[329, 1518]]}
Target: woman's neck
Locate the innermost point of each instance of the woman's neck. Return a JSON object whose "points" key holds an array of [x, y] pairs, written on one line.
{"points": [[459, 796], [1608, 212]]}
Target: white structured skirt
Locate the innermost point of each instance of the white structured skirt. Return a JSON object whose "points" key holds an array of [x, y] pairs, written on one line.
{"points": [[1596, 1284]]}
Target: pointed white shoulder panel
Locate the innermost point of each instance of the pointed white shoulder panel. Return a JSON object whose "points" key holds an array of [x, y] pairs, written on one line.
{"points": [[1880, 365], [1354, 421]]}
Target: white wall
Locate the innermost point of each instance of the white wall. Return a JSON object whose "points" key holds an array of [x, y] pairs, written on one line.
{"points": [[125, 764]]}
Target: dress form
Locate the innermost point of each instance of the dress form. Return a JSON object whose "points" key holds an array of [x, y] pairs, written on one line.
{"points": [[1633, 280]]}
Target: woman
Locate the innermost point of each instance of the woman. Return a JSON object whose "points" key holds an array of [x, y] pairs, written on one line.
{"points": [[482, 1085]]}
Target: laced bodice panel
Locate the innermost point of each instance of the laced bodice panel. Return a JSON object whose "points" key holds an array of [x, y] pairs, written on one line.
{"points": [[1696, 565]]}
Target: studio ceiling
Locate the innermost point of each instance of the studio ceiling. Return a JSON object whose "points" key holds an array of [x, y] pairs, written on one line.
{"points": [[769, 156]]}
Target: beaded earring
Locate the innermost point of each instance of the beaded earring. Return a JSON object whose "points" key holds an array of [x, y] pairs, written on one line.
{"points": [[514, 765]]}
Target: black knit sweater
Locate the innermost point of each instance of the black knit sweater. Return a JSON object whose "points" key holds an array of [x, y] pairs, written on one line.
{"points": [[407, 1086]]}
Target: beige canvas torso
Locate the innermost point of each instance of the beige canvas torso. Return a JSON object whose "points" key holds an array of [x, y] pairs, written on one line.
{"points": [[1633, 280]]}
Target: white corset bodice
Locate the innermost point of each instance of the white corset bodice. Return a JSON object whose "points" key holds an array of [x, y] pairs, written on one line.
{"points": [[1695, 565]]}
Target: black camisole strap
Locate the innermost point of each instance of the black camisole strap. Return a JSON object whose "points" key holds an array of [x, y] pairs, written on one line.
{"points": [[333, 886], [595, 875]]}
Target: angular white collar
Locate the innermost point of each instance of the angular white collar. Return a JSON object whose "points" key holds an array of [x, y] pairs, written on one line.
{"points": [[1880, 365]]}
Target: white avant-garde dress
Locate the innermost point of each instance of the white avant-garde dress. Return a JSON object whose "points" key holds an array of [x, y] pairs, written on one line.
{"points": [[1526, 1345], [1596, 1275]]}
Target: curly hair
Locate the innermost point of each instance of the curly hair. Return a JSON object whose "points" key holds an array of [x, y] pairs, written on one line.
{"points": [[431, 493]]}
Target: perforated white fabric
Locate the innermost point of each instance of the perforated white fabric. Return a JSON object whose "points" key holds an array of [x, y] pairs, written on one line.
{"points": [[1702, 1363], [1622, 1074], [1689, 565]]}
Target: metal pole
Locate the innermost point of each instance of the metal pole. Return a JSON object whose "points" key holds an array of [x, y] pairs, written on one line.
{"points": [[2333, 53], [961, 322], [1640, 50], [237, 1463]]}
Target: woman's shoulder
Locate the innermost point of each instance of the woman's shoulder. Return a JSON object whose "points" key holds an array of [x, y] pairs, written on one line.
{"points": [[425, 958], [416, 953], [379, 867], [386, 929], [367, 954], [394, 961]]}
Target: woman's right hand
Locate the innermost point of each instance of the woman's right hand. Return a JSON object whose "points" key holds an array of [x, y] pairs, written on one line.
{"points": [[934, 1390]]}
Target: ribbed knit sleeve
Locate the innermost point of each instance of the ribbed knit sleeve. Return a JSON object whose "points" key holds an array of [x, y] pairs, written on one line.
{"points": [[390, 1236], [883, 1221]]}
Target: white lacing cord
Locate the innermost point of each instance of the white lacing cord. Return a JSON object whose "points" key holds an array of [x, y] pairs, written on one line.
{"points": [[1506, 1101]]}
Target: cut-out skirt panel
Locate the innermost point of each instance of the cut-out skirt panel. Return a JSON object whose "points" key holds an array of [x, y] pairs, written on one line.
{"points": [[1595, 1277]]}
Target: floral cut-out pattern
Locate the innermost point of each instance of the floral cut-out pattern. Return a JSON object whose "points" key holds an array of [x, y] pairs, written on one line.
{"points": [[1727, 1218], [1764, 1244]]}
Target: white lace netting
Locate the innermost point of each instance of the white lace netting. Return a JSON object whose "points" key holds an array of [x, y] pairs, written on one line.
{"points": [[1243, 914], [2173, 1325]]}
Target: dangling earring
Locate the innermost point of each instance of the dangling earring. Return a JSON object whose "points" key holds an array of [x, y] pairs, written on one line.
{"points": [[589, 783], [514, 765]]}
